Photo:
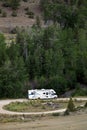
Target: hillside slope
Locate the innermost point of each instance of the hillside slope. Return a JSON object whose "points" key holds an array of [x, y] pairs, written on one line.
{"points": [[22, 19]]}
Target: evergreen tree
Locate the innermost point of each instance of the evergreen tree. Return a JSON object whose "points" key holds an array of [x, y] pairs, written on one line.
{"points": [[69, 14], [3, 54], [71, 106]]}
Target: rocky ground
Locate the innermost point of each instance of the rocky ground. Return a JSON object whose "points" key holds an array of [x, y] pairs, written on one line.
{"points": [[74, 122]]}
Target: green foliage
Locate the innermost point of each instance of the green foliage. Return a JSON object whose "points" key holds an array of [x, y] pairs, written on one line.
{"points": [[25, 0], [12, 79], [85, 105], [26, 9], [69, 14], [4, 14], [3, 55], [55, 114], [58, 83], [14, 4], [12, 71], [38, 22], [71, 106], [29, 13], [31, 106], [0, 11], [79, 91], [14, 14], [52, 57], [66, 113], [14, 30]]}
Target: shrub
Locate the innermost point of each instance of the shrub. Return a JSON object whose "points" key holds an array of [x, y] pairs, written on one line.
{"points": [[0, 11], [71, 106], [5, 4], [66, 112], [85, 105], [4, 14], [25, 0], [79, 91], [14, 30], [43, 107], [55, 114], [14, 4], [30, 14], [38, 22], [14, 14], [26, 9]]}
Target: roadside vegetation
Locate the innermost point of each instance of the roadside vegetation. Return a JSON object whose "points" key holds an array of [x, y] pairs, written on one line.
{"points": [[35, 106], [43, 58], [44, 105], [75, 107]]}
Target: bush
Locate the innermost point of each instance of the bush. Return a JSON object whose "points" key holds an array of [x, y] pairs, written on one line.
{"points": [[14, 4], [26, 9], [71, 106], [85, 105], [25, 0], [0, 11], [66, 112], [14, 30], [55, 114], [14, 14], [79, 91], [4, 14], [58, 83], [5, 4], [30, 14]]}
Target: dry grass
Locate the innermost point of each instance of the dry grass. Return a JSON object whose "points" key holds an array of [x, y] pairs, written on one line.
{"points": [[39, 105], [35, 106], [76, 122]]}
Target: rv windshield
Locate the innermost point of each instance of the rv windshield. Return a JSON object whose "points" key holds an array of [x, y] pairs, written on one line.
{"points": [[53, 93]]}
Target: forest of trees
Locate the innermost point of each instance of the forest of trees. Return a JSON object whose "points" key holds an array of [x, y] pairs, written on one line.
{"points": [[52, 57]]}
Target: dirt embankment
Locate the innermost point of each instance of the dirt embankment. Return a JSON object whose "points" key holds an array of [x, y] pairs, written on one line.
{"points": [[21, 20], [77, 122]]}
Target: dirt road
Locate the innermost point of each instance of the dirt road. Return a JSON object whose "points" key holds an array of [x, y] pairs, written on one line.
{"points": [[5, 102], [77, 122]]}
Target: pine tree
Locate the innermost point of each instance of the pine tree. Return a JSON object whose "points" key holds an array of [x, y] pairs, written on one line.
{"points": [[71, 106]]}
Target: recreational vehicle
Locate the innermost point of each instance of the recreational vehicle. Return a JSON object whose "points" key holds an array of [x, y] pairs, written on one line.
{"points": [[41, 94]]}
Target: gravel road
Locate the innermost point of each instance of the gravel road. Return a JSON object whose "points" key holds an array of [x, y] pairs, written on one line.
{"points": [[5, 102]]}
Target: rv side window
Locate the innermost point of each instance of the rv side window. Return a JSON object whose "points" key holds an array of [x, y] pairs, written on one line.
{"points": [[32, 93], [43, 93], [46, 93]]}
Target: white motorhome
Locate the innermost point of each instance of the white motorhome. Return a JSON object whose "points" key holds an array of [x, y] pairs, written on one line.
{"points": [[41, 94]]}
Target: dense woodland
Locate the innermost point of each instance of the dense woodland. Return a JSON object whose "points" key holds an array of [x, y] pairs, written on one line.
{"points": [[51, 57]]}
